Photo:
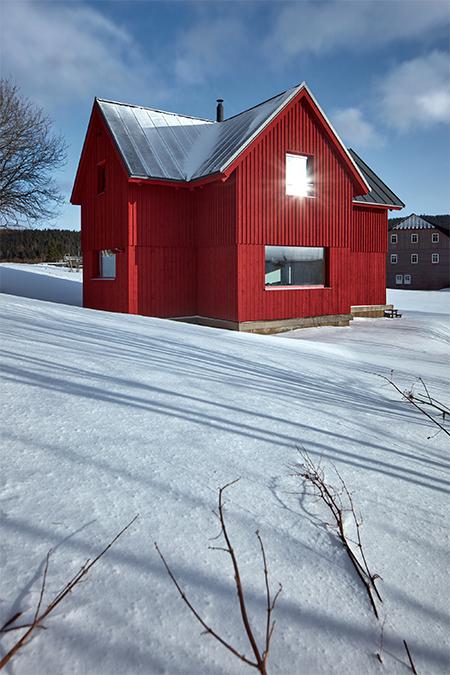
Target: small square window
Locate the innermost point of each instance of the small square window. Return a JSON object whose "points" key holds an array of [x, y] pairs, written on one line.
{"points": [[414, 238], [407, 279], [101, 178], [107, 264], [435, 237], [394, 238], [299, 176], [393, 258], [399, 278], [435, 257], [414, 258]]}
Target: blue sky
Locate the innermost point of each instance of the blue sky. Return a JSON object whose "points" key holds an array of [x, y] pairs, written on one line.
{"points": [[380, 70]]}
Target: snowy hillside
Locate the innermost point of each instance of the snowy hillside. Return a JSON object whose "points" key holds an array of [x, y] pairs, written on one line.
{"points": [[106, 416], [42, 281]]}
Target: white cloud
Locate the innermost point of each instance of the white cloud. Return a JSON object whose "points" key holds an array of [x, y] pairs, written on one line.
{"points": [[62, 52], [321, 27], [354, 129], [208, 48], [417, 93]]}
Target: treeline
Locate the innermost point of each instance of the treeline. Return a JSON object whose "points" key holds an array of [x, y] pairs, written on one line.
{"points": [[29, 245]]}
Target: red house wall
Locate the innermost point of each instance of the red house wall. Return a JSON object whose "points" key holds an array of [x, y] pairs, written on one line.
{"points": [[368, 247], [165, 253], [184, 251], [215, 239], [267, 216], [104, 221]]}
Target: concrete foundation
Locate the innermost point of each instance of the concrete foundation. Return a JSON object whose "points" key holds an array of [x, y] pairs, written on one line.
{"points": [[270, 327], [369, 311]]}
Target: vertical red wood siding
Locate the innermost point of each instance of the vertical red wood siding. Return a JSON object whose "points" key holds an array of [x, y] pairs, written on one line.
{"points": [[185, 251], [267, 216], [215, 240], [368, 256], [104, 221]]}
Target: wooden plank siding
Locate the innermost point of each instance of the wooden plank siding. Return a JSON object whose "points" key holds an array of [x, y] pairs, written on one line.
{"points": [[199, 251], [267, 216]]}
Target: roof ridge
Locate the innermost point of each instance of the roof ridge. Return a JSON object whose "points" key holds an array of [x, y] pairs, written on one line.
{"points": [[143, 107], [263, 102]]}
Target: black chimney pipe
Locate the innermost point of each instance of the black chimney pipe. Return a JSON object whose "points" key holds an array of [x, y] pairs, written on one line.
{"points": [[219, 110]]}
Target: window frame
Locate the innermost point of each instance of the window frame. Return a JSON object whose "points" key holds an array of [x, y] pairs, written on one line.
{"points": [[309, 178], [414, 238], [291, 286], [416, 261], [399, 279], [407, 278], [435, 237], [394, 238], [100, 267], [392, 261], [436, 256]]}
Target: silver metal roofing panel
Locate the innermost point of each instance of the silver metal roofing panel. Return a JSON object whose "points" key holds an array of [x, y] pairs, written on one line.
{"points": [[153, 143], [157, 144]]}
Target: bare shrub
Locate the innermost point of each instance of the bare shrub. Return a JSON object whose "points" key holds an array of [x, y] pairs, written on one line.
{"points": [[260, 655], [39, 616]]}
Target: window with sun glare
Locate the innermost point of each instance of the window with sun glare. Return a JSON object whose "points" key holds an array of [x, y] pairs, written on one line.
{"points": [[299, 180]]}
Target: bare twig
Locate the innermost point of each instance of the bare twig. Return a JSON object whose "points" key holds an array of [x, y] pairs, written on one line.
{"points": [[339, 502], [379, 654], [260, 656], [411, 662], [415, 399], [39, 617]]}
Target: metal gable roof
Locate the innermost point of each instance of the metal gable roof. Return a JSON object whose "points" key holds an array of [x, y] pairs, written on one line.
{"points": [[379, 191], [158, 144], [163, 145]]}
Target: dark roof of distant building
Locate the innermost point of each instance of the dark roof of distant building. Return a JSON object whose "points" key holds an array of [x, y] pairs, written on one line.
{"points": [[422, 222], [169, 146]]}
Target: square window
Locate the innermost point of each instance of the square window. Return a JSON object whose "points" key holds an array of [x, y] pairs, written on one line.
{"points": [[435, 257], [407, 279], [101, 178], [414, 258], [435, 237], [394, 238], [107, 264], [393, 258], [414, 238], [399, 278], [295, 266], [299, 176]]}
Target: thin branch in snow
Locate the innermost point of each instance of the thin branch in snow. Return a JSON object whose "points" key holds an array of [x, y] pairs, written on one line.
{"points": [[339, 502], [260, 656], [410, 659], [424, 399], [38, 616]]}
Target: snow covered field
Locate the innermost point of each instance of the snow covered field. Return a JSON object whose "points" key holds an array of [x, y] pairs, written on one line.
{"points": [[43, 282], [107, 415]]}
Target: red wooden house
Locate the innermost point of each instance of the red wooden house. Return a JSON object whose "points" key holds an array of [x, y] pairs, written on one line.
{"points": [[262, 221]]}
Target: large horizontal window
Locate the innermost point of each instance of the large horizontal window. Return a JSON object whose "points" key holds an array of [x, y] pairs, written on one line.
{"points": [[107, 264], [295, 266]]}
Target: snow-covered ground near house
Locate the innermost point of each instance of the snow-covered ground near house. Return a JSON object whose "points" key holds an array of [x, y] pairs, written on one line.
{"points": [[420, 301], [43, 282], [106, 416]]}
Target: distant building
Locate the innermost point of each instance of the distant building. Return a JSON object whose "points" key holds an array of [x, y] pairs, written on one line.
{"points": [[419, 252]]}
